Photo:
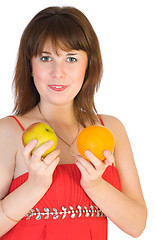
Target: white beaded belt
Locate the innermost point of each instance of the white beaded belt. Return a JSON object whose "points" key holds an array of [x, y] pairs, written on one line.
{"points": [[92, 211]]}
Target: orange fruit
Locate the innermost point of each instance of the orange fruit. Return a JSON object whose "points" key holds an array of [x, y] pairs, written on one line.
{"points": [[95, 139]]}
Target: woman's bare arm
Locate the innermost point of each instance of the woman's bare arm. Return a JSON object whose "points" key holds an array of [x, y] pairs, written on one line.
{"points": [[127, 208], [18, 203]]}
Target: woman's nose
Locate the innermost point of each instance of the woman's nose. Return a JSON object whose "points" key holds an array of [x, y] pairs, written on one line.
{"points": [[58, 70]]}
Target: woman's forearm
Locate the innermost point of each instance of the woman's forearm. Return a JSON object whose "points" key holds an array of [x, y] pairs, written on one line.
{"points": [[128, 214], [17, 204]]}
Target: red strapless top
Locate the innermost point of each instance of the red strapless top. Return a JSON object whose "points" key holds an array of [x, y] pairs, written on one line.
{"points": [[65, 212]]}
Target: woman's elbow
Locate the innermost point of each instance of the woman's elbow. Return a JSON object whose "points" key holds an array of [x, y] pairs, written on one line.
{"points": [[142, 224]]}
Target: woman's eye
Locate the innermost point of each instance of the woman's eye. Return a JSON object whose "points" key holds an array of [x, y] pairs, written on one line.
{"points": [[45, 58], [71, 59]]}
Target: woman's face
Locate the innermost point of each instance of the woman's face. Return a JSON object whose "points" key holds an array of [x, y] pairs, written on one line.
{"points": [[59, 76]]}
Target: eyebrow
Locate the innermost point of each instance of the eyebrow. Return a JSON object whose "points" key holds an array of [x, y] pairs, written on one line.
{"points": [[68, 54], [72, 54], [46, 52]]}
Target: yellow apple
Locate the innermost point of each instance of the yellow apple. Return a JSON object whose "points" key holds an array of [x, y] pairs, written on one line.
{"points": [[42, 133]]}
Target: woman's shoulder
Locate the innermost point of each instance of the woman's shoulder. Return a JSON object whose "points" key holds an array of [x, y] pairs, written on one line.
{"points": [[10, 136], [115, 125], [9, 144], [111, 121], [17, 123], [7, 124]]}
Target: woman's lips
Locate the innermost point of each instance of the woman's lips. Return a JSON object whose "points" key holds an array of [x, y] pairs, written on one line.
{"points": [[58, 88]]}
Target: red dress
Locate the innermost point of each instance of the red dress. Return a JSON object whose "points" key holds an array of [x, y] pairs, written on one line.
{"points": [[65, 212]]}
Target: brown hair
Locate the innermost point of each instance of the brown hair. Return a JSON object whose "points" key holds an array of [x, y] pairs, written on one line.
{"points": [[68, 28]]}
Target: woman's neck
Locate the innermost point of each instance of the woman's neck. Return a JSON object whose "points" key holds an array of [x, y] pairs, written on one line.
{"points": [[57, 114]]}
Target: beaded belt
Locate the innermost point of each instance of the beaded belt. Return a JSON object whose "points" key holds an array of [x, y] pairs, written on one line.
{"points": [[78, 212]]}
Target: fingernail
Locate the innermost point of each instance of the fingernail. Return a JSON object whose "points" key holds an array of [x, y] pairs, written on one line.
{"points": [[106, 153], [87, 152], [34, 141]]}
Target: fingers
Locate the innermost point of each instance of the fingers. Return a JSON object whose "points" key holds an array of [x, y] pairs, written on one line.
{"points": [[94, 163], [28, 148], [41, 150], [109, 157], [92, 170], [52, 156], [38, 152], [90, 176], [40, 169], [85, 167], [32, 160], [94, 160], [51, 167]]}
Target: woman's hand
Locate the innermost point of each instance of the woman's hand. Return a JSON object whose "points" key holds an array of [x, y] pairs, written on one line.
{"points": [[40, 170], [92, 171]]}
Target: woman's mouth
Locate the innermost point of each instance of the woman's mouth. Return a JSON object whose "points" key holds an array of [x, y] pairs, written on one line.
{"points": [[58, 88]]}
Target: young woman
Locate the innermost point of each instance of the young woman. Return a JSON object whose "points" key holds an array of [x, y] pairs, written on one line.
{"points": [[58, 70]]}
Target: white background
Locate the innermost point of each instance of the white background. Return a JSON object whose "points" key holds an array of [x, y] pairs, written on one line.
{"points": [[126, 31]]}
